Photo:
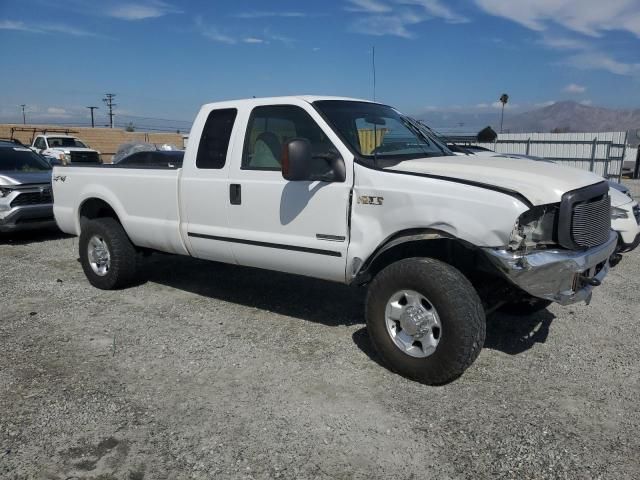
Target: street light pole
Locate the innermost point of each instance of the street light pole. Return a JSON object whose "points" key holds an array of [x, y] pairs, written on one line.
{"points": [[24, 117]]}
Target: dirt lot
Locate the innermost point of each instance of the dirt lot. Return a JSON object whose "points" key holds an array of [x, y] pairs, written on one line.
{"points": [[212, 371]]}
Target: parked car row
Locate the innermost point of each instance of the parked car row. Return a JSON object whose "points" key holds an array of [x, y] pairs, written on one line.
{"points": [[26, 200]]}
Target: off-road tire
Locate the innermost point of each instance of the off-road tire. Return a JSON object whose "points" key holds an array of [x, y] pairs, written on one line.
{"points": [[124, 257], [458, 306]]}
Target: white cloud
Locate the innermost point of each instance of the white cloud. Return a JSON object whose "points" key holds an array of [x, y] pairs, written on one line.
{"points": [[602, 61], [436, 9], [563, 42], [56, 111], [45, 28], [586, 103], [267, 14], [368, 6], [589, 17], [380, 25], [393, 17], [140, 11], [253, 40], [482, 105], [14, 25], [213, 33], [575, 88]]}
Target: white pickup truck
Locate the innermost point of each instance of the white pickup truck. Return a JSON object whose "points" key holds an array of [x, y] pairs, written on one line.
{"points": [[351, 191], [64, 149]]}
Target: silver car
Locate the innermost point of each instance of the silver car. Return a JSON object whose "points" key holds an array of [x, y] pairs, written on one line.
{"points": [[26, 200]]}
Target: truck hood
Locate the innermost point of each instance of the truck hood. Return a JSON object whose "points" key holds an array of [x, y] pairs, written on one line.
{"points": [[539, 182], [71, 149], [24, 178]]}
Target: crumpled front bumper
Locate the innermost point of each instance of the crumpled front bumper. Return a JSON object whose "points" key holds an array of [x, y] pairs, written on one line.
{"points": [[562, 276]]}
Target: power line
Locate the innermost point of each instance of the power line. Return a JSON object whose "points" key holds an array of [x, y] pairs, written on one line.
{"points": [[154, 118], [108, 100]]}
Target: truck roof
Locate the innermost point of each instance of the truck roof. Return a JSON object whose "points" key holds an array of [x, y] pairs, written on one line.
{"points": [[57, 135], [284, 99]]}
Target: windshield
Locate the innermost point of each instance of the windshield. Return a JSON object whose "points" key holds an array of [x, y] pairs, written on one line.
{"points": [[18, 159], [55, 142], [378, 132], [430, 134]]}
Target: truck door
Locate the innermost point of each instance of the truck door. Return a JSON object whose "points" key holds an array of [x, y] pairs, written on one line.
{"points": [[297, 227], [204, 185]]}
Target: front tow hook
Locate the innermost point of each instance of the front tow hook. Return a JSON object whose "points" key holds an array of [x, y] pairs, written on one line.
{"points": [[592, 281], [615, 259]]}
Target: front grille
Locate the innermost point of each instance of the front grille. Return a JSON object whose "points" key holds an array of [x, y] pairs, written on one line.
{"points": [[584, 218], [591, 222], [32, 198], [84, 157]]}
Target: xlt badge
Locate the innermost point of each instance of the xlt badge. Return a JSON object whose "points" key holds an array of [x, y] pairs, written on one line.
{"points": [[369, 200]]}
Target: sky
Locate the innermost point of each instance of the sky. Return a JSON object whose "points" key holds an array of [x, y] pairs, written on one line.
{"points": [[163, 59]]}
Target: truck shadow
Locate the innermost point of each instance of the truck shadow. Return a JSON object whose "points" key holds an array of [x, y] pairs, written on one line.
{"points": [[32, 236], [327, 303], [514, 335], [505, 333], [317, 301]]}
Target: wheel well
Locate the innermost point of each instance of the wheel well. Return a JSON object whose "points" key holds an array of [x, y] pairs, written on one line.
{"points": [[464, 256], [453, 251], [96, 208]]}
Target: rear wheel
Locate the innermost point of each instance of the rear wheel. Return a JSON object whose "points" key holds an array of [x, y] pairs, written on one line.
{"points": [[108, 257], [425, 319]]}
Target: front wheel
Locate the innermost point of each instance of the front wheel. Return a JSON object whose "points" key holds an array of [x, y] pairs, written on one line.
{"points": [[108, 257], [425, 320]]}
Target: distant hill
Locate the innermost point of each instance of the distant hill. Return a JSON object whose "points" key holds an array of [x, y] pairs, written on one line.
{"points": [[573, 117], [564, 116]]}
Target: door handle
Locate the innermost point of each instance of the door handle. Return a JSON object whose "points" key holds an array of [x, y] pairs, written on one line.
{"points": [[235, 194]]}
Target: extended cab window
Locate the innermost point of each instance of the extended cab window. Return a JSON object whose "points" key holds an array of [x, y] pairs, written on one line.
{"points": [[270, 127], [39, 144], [214, 143]]}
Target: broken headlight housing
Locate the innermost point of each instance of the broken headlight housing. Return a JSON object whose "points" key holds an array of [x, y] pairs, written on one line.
{"points": [[535, 228]]}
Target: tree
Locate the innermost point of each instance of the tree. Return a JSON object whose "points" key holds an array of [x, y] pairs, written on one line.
{"points": [[504, 98], [130, 127]]}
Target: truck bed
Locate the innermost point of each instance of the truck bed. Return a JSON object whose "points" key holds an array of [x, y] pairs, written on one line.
{"points": [[145, 199]]}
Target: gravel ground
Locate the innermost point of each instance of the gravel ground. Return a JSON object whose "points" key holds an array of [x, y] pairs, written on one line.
{"points": [[212, 371]]}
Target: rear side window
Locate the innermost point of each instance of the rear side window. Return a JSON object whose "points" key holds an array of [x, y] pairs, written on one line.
{"points": [[214, 143]]}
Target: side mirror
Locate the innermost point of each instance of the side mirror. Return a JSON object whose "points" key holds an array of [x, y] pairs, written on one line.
{"points": [[297, 160]]}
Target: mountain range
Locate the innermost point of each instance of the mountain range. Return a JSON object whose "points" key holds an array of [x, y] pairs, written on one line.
{"points": [[565, 116]]}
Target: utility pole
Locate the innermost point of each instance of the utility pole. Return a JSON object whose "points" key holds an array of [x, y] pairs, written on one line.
{"points": [[24, 118], [92, 109], [108, 100]]}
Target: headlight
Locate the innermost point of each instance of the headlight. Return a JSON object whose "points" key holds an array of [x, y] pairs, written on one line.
{"points": [[617, 213], [535, 227]]}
